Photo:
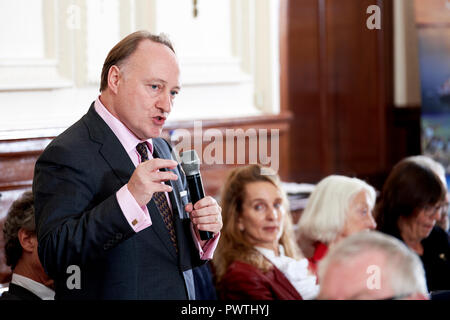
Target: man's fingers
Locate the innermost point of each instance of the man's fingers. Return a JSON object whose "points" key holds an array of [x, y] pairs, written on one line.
{"points": [[151, 169], [161, 187], [189, 207], [210, 219], [205, 202], [214, 228], [164, 176], [157, 164], [206, 211]]}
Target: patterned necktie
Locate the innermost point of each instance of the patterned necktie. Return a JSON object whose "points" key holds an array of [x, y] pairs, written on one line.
{"points": [[160, 200]]}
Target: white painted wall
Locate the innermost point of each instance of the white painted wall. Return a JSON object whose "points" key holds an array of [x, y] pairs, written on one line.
{"points": [[52, 52], [21, 35], [102, 33]]}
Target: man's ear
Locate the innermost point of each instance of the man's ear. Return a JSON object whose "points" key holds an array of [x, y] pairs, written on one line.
{"points": [[26, 239], [114, 76]]}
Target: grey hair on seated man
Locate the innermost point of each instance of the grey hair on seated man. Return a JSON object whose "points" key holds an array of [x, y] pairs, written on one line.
{"points": [[370, 265]]}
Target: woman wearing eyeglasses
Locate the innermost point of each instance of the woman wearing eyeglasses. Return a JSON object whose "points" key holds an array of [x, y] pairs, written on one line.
{"points": [[412, 200], [439, 169]]}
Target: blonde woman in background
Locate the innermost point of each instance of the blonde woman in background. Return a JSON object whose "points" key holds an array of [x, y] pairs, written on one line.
{"points": [[257, 257]]}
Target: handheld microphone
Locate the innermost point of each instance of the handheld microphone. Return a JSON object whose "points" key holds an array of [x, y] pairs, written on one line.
{"points": [[191, 167]]}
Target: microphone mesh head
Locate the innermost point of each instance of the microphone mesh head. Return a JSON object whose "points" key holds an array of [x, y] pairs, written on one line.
{"points": [[190, 162]]}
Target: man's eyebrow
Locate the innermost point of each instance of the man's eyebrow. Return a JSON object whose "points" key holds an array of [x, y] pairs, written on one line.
{"points": [[156, 80], [163, 82]]}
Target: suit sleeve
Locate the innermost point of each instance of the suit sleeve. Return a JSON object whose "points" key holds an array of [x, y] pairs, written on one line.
{"points": [[74, 224]]}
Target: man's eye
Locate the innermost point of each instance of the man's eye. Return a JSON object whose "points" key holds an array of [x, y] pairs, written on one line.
{"points": [[174, 93], [154, 86]]}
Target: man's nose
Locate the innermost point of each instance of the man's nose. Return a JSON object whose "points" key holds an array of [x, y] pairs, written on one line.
{"points": [[165, 103]]}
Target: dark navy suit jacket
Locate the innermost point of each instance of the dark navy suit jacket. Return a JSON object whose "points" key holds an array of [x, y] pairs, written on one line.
{"points": [[79, 221], [16, 292]]}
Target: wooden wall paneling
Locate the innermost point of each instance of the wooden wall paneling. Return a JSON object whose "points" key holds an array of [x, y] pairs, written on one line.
{"points": [[214, 174], [327, 124], [357, 87], [300, 86], [17, 159], [340, 87]]}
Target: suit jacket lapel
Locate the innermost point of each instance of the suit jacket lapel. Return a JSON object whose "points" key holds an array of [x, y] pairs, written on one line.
{"points": [[116, 156], [160, 227], [111, 149], [158, 152]]}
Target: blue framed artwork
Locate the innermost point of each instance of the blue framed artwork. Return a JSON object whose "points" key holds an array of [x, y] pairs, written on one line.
{"points": [[434, 58]]}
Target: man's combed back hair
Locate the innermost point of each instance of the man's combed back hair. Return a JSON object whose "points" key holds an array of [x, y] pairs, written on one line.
{"points": [[20, 215], [125, 48]]}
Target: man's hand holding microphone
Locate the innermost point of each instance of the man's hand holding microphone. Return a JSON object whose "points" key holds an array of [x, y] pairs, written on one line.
{"points": [[148, 178]]}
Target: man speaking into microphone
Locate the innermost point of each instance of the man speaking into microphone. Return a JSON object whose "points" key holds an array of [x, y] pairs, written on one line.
{"points": [[111, 210]]}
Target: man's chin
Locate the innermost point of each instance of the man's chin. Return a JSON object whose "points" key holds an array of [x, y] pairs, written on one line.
{"points": [[156, 133], [150, 134]]}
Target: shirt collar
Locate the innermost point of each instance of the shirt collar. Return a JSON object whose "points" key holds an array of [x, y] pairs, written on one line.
{"points": [[125, 136], [42, 291], [270, 253]]}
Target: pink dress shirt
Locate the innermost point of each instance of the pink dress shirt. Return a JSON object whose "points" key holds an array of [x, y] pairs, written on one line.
{"points": [[138, 217]]}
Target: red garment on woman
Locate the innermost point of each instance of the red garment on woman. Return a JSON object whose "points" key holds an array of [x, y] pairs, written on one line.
{"points": [[243, 281], [320, 250]]}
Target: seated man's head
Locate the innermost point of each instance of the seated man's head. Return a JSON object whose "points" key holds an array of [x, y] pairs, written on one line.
{"points": [[370, 265], [21, 245]]}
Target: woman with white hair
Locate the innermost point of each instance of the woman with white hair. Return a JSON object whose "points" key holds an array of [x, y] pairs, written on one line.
{"points": [[338, 207]]}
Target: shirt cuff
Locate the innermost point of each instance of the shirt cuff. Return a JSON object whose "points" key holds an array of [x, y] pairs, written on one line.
{"points": [[205, 248], [138, 217]]}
